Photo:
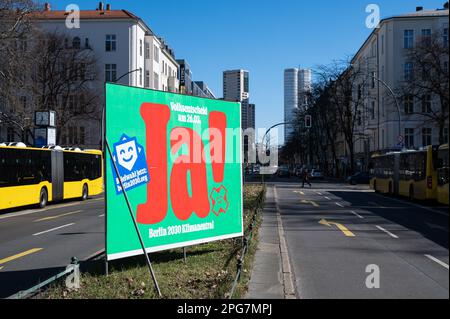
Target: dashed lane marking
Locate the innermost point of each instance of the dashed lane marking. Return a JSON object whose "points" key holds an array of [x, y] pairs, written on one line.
{"points": [[443, 264], [386, 231], [53, 229], [57, 216], [357, 215]]}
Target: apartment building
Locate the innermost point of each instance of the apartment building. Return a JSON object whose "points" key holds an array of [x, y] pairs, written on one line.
{"points": [[236, 89], [383, 62], [125, 48]]}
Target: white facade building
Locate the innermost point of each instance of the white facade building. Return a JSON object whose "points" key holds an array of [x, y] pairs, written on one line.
{"points": [[122, 43], [384, 58]]}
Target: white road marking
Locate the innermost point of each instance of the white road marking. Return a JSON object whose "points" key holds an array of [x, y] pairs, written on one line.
{"points": [[101, 215], [34, 211], [387, 232], [356, 214], [326, 197], [443, 264], [50, 230], [340, 205], [320, 194], [48, 208]]}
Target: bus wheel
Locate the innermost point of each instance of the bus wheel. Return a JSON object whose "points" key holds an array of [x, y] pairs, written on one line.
{"points": [[85, 193], [43, 198]]}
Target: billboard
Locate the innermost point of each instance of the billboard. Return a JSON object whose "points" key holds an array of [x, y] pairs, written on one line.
{"points": [[180, 161]]}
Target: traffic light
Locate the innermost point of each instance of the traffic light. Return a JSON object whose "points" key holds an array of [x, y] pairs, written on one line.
{"points": [[308, 121]]}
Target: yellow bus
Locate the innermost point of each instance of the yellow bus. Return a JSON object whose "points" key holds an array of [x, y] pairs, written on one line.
{"points": [[385, 173], [412, 173], [442, 175], [418, 173], [34, 176]]}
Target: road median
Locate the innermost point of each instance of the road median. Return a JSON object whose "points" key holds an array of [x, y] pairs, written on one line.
{"points": [[207, 273]]}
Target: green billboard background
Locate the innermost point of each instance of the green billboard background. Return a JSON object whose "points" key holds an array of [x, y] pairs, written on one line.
{"points": [[123, 121]]}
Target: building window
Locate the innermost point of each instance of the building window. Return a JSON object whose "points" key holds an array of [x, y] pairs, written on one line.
{"points": [[426, 136], [426, 37], [140, 76], [140, 47], [372, 110], [110, 72], [156, 53], [409, 71], [445, 135], [147, 50], [10, 135], [408, 103], [409, 138], [426, 103], [155, 81], [71, 103], [445, 37], [82, 136], [86, 43], [372, 75], [110, 43], [408, 39], [147, 79], [76, 43], [23, 102]]}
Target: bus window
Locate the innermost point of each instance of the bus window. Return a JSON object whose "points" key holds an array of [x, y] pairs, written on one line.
{"points": [[443, 167], [81, 166], [4, 171]]}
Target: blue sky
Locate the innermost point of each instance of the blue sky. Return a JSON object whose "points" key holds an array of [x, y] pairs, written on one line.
{"points": [[262, 36]]}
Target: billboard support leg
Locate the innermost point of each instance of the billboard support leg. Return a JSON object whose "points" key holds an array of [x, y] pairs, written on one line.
{"points": [[184, 254], [106, 265], [147, 259]]}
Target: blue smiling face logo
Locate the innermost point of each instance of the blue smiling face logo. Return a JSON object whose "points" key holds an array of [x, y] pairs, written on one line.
{"points": [[132, 165], [127, 154]]}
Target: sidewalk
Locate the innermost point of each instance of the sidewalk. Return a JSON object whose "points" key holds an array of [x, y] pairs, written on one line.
{"points": [[266, 276]]}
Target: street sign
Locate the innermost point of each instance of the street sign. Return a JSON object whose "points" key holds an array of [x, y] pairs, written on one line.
{"points": [[179, 159]]}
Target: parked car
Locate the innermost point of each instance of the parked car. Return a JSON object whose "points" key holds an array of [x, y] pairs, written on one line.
{"points": [[359, 178], [283, 171], [316, 174]]}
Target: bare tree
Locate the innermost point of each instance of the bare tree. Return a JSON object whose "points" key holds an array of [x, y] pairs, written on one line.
{"points": [[14, 18], [15, 27], [346, 99], [428, 79], [63, 77]]}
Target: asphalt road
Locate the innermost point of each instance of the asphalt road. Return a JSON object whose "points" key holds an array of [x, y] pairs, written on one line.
{"points": [[335, 231], [37, 244], [406, 241]]}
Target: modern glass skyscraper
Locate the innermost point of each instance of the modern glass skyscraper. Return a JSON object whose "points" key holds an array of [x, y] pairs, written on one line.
{"points": [[297, 85]]}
